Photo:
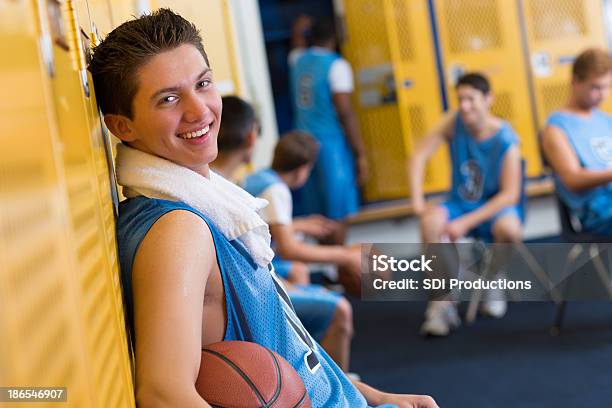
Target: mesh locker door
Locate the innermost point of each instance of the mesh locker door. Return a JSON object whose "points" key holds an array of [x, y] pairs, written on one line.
{"points": [[557, 31], [416, 80], [88, 191], [41, 335], [485, 36], [367, 49]]}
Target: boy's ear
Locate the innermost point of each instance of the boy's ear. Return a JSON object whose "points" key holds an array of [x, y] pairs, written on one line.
{"points": [[251, 138], [120, 126]]}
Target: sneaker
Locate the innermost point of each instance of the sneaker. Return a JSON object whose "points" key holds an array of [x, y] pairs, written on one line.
{"points": [[440, 318], [494, 303]]}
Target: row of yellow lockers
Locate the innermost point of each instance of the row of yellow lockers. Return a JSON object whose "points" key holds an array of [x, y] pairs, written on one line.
{"points": [[61, 312], [407, 56]]}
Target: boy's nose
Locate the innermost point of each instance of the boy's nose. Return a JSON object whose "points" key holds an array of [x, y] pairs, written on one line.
{"points": [[196, 109]]}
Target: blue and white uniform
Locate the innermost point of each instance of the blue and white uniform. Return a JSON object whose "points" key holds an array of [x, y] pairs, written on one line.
{"points": [[476, 169], [591, 139], [314, 305], [331, 189], [258, 308]]}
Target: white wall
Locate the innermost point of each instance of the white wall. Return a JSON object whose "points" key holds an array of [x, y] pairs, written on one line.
{"points": [[254, 70]]}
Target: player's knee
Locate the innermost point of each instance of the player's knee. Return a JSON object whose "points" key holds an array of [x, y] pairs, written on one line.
{"points": [[432, 222], [508, 230], [299, 273], [343, 317]]}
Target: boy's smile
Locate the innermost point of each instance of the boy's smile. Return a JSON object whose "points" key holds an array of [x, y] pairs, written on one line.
{"points": [[177, 109]]}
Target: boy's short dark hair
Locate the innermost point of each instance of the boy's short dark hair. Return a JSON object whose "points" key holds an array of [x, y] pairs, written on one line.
{"points": [[591, 63], [131, 45], [238, 120], [293, 150], [323, 30], [476, 81]]}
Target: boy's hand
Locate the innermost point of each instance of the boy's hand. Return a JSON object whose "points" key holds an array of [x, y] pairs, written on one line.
{"points": [[456, 229], [409, 401], [362, 170], [418, 206], [349, 272], [315, 225]]}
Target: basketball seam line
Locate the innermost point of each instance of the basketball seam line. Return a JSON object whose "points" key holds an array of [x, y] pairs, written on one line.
{"points": [[301, 401], [280, 380], [241, 373]]}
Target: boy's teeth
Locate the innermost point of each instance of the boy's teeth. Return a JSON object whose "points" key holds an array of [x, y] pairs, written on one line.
{"points": [[191, 135]]}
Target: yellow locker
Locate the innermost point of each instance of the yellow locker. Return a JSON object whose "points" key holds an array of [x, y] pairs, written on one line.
{"points": [[557, 31], [40, 338], [397, 98], [91, 215], [485, 36], [217, 29]]}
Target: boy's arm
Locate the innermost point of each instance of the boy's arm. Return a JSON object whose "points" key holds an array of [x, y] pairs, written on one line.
{"points": [[169, 277], [509, 194], [423, 150], [375, 397], [348, 120], [563, 160], [291, 248]]}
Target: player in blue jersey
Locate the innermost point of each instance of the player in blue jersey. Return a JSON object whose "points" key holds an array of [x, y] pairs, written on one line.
{"points": [[321, 83], [577, 143], [486, 185], [186, 282]]}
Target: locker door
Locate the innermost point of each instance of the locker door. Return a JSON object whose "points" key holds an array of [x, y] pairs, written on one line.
{"points": [[91, 215], [397, 96], [417, 82], [557, 31], [485, 36], [41, 335]]}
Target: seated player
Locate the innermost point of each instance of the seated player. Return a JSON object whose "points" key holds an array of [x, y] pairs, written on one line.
{"points": [[485, 191], [326, 315], [195, 256], [294, 156], [577, 143]]}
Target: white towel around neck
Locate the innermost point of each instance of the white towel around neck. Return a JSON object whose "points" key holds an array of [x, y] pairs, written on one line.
{"points": [[232, 210]]}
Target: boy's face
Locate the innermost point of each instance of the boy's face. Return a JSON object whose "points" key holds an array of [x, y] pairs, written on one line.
{"points": [[474, 105], [593, 91], [177, 109], [300, 176]]}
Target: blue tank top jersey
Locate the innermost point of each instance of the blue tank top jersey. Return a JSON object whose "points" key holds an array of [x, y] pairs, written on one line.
{"points": [[258, 308], [259, 181], [331, 189], [312, 96], [591, 139], [476, 166]]}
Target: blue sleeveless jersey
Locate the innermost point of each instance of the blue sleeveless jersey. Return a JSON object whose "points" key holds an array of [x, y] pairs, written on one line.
{"points": [[331, 189], [259, 181], [591, 139], [258, 308], [476, 166]]}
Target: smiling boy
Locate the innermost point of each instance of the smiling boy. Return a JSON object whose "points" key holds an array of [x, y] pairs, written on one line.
{"points": [[192, 276]]}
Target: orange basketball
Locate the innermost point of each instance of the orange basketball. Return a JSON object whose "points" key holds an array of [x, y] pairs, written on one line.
{"points": [[240, 374]]}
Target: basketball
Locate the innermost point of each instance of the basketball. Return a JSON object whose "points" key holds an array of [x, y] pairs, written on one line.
{"points": [[240, 374]]}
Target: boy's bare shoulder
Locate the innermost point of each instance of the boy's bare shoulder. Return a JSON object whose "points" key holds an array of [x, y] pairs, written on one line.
{"points": [[179, 240]]}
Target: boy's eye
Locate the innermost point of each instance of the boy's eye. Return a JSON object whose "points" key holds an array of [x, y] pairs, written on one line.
{"points": [[169, 99], [204, 83]]}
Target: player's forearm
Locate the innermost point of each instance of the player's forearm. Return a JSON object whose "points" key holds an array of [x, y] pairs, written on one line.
{"points": [[583, 179], [373, 396], [416, 170], [299, 251], [171, 398], [497, 203], [349, 123]]}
